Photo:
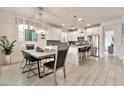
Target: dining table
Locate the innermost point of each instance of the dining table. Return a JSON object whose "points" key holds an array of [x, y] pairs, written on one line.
{"points": [[41, 55]]}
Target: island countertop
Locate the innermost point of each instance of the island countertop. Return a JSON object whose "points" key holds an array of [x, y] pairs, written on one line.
{"points": [[78, 46]]}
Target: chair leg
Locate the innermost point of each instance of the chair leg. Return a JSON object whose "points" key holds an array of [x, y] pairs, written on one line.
{"points": [[64, 72], [88, 53], [43, 70], [55, 78], [22, 63], [29, 71], [81, 57], [85, 56], [24, 66]]}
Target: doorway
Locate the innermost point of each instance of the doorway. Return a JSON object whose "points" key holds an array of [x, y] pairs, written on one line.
{"points": [[109, 43]]}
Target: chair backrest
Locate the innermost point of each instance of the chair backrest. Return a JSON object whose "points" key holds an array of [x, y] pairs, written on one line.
{"points": [[28, 57], [88, 48], [83, 49], [24, 54], [31, 58], [30, 46], [62, 51]]}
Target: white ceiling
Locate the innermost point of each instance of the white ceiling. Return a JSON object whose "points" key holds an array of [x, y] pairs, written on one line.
{"points": [[60, 15]]}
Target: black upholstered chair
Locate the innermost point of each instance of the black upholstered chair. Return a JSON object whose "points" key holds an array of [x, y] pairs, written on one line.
{"points": [[88, 50], [30, 61], [82, 52], [89, 47], [59, 62], [28, 47], [24, 61]]}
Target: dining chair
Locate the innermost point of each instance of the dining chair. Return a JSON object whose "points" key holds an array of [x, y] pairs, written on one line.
{"points": [[24, 61], [59, 62], [30, 46], [29, 63], [88, 51], [27, 47]]}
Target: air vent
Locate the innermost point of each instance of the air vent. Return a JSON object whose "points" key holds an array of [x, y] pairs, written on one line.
{"points": [[54, 25], [72, 30], [40, 8]]}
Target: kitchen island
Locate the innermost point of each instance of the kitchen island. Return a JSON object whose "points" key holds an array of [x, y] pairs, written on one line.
{"points": [[73, 55]]}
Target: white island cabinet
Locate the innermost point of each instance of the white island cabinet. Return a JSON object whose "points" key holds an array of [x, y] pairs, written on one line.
{"points": [[73, 55]]}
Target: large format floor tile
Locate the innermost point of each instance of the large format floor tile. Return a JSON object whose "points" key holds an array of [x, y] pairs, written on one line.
{"points": [[108, 71]]}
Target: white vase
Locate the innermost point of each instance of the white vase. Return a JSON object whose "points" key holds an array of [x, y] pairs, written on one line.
{"points": [[8, 59]]}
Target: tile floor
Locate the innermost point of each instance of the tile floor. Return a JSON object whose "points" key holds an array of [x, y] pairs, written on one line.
{"points": [[108, 71]]}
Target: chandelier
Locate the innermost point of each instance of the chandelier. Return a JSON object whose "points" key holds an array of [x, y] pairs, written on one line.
{"points": [[73, 27], [41, 27]]}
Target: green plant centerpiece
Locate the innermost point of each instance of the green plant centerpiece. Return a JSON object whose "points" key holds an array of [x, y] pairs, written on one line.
{"points": [[38, 49], [7, 46]]}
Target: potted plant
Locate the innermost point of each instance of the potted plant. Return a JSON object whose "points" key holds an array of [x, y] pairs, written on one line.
{"points": [[7, 48], [38, 49]]}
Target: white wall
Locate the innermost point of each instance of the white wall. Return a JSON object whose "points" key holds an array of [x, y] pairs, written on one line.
{"points": [[116, 26], [8, 28], [72, 36], [93, 31], [54, 34]]}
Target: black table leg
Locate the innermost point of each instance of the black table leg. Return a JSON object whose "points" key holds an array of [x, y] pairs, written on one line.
{"points": [[54, 57], [38, 69]]}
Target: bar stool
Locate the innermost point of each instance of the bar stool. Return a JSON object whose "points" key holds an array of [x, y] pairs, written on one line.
{"points": [[88, 51], [82, 52]]}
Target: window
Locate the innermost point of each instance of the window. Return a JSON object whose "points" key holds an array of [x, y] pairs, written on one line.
{"points": [[27, 30], [30, 35], [64, 37]]}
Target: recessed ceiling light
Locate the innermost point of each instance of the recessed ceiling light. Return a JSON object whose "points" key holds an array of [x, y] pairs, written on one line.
{"points": [[75, 32], [88, 24], [79, 30], [63, 24], [80, 19], [73, 27]]}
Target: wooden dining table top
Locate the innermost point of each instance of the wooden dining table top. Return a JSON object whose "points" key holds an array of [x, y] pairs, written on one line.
{"points": [[39, 55]]}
